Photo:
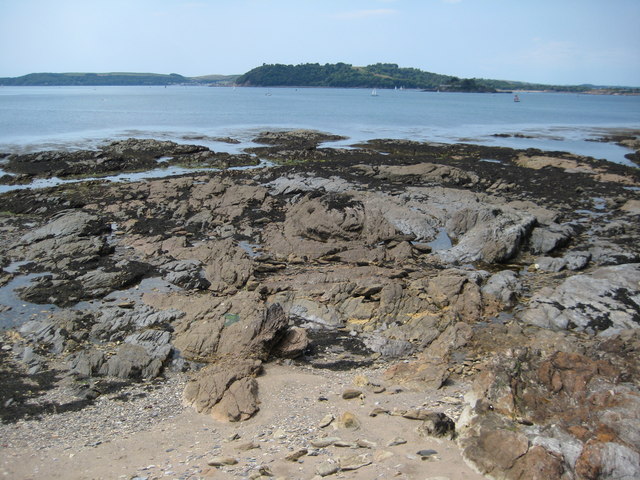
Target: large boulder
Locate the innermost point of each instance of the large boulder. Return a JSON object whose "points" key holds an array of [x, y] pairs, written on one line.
{"points": [[487, 235], [557, 415], [226, 388], [71, 237]]}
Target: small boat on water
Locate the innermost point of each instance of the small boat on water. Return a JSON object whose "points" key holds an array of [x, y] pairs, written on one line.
{"points": [[516, 98], [374, 93]]}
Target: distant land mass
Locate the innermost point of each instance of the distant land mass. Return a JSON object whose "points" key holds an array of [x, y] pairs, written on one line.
{"points": [[338, 75], [112, 79], [390, 75]]}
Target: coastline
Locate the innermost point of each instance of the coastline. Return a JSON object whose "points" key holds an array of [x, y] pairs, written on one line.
{"points": [[420, 330]]}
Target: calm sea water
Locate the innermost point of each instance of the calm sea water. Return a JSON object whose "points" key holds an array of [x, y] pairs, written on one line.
{"points": [[37, 118]]}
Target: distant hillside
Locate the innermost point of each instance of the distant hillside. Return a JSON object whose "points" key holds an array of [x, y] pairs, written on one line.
{"points": [[94, 79], [389, 75], [341, 75]]}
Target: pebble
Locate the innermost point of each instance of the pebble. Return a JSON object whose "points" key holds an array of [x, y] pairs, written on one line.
{"points": [[345, 444], [363, 443], [350, 393], [248, 446], [326, 420], [349, 421], [324, 442], [378, 411], [426, 453], [396, 441], [221, 461], [354, 462], [295, 456], [325, 469]]}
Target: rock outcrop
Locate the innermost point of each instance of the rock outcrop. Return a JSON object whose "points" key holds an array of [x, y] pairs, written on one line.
{"points": [[417, 257]]}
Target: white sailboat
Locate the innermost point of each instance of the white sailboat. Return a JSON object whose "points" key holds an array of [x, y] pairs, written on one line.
{"points": [[374, 93]]}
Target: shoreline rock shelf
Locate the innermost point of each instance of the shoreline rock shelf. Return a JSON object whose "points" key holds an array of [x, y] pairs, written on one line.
{"points": [[324, 263]]}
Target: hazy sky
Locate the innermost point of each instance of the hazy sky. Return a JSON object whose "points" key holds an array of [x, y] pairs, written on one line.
{"points": [[549, 41]]}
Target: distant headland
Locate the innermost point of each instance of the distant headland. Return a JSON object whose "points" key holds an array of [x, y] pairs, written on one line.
{"points": [[338, 75]]}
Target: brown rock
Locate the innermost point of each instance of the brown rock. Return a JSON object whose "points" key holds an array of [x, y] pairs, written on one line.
{"points": [[538, 464], [496, 450], [293, 344], [350, 393]]}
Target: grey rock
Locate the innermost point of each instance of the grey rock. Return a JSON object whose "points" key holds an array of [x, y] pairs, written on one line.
{"points": [[505, 286], [67, 223], [187, 274], [549, 238], [388, 347], [327, 468], [550, 264], [86, 363], [114, 323], [577, 260], [155, 342], [54, 333], [131, 361], [605, 299], [99, 282], [489, 235]]}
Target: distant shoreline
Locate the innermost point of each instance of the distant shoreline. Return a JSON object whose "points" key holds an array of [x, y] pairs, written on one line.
{"points": [[339, 75]]}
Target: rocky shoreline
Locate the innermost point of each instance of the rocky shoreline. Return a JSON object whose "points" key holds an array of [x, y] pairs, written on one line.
{"points": [[405, 269]]}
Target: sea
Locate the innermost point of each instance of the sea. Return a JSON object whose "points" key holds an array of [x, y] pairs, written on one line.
{"points": [[70, 118], [52, 118]]}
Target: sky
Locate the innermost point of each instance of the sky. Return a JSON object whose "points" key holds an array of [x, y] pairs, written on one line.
{"points": [[547, 41]]}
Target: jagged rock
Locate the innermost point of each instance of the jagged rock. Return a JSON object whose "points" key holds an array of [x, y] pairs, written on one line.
{"points": [[86, 363], [437, 424], [607, 460], [388, 347], [488, 235], [574, 410], [68, 223], [609, 253], [227, 267], [293, 344], [601, 301], [431, 367], [55, 333], [549, 238], [70, 237], [495, 451], [309, 138], [550, 264], [427, 173], [155, 342], [538, 464], [114, 323], [227, 389], [219, 323], [187, 274], [504, 286], [99, 282], [132, 361], [577, 260]]}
